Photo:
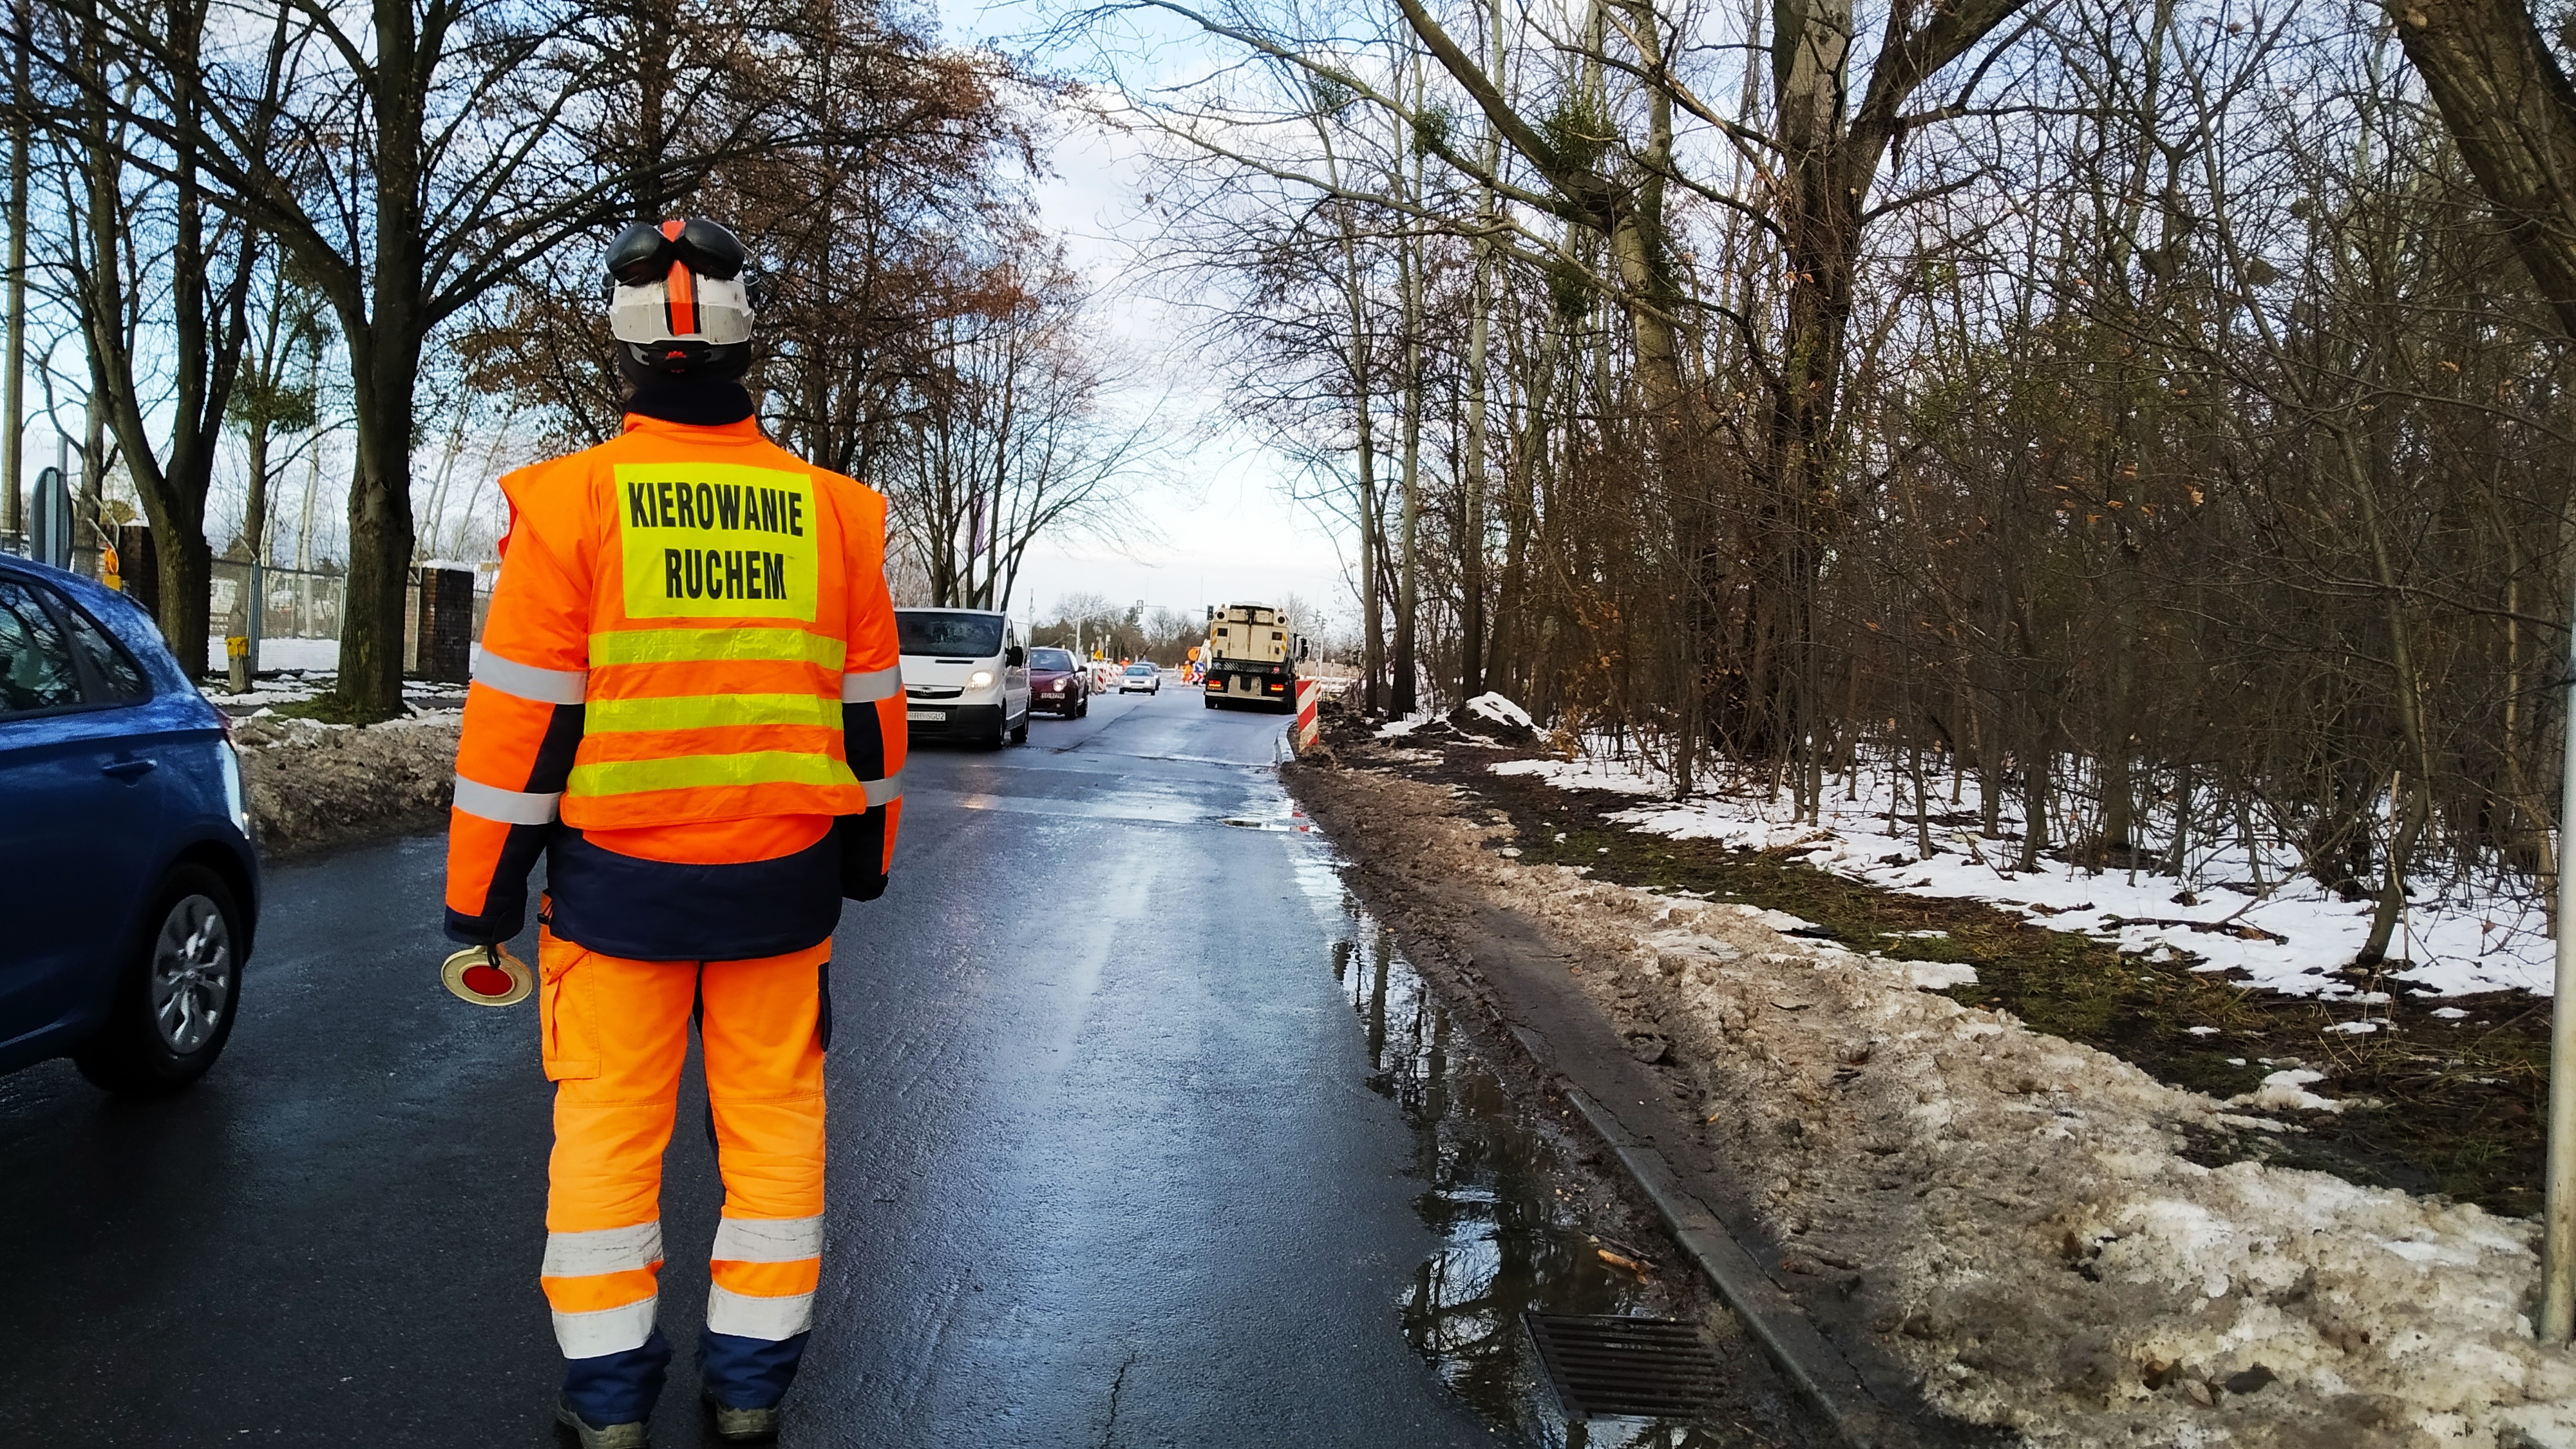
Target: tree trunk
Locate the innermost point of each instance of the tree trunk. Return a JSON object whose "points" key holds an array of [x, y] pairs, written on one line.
{"points": [[1471, 546], [380, 532], [2037, 784], [13, 393], [1408, 596], [1506, 668], [1372, 567], [255, 504], [2510, 108], [210, 331]]}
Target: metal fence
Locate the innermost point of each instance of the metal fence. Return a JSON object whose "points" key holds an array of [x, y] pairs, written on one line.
{"points": [[295, 615], [294, 603]]}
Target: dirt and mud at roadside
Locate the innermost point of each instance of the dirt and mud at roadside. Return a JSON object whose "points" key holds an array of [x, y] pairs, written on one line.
{"points": [[2050, 1240], [311, 785]]}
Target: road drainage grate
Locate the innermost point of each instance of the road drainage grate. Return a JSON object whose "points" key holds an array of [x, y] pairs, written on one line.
{"points": [[1604, 1366]]}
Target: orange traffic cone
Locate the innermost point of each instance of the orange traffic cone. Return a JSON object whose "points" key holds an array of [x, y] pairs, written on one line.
{"points": [[487, 976]]}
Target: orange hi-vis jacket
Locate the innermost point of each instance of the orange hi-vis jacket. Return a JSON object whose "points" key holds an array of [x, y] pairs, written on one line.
{"points": [[688, 697]]}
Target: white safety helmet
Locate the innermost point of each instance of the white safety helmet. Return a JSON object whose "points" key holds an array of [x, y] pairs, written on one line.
{"points": [[680, 298]]}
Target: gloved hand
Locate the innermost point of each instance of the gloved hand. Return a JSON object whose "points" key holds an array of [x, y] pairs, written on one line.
{"points": [[863, 876]]}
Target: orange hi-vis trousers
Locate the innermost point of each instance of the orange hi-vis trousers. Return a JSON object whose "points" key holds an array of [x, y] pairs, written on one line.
{"points": [[616, 1032]]}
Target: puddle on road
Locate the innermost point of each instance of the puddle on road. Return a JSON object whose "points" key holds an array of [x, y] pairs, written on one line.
{"points": [[1272, 815], [1511, 1239]]}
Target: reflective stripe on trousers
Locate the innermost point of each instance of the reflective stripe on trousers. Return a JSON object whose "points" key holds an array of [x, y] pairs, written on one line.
{"points": [[763, 1276], [614, 1033]]}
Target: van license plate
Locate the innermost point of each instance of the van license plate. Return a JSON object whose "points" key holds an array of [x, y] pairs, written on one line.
{"points": [[932, 716]]}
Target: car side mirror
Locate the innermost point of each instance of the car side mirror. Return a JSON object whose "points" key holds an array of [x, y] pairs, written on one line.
{"points": [[1014, 657], [1305, 649]]}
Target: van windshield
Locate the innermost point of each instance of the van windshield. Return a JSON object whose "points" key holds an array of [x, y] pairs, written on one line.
{"points": [[965, 636]]}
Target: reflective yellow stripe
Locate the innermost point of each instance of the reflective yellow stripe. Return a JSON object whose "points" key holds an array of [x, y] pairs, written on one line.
{"points": [[709, 711], [708, 772], [696, 646]]}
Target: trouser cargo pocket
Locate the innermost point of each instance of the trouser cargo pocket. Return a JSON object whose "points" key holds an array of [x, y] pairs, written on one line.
{"points": [[567, 1017]]}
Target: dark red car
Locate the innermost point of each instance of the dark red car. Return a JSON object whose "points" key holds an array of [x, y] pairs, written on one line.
{"points": [[1058, 683]]}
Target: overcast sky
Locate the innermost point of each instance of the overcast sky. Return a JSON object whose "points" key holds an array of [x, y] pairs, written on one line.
{"points": [[1222, 529]]}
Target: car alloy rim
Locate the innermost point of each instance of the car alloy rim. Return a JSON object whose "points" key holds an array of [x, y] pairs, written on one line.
{"points": [[191, 971]]}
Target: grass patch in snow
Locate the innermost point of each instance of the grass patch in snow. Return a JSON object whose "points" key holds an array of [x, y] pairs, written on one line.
{"points": [[2449, 1105]]}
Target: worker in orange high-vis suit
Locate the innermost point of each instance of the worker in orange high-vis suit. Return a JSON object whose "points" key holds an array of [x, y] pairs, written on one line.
{"points": [[688, 700]]}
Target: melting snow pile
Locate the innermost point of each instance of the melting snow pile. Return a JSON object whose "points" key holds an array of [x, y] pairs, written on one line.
{"points": [[2013, 1211], [308, 782], [2461, 936], [1487, 719], [2010, 1215]]}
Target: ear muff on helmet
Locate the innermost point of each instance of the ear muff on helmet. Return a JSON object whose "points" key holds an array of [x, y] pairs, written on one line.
{"points": [[644, 252]]}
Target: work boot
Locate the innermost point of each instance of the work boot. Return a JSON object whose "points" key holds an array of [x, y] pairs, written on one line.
{"points": [[741, 1426], [608, 1436]]}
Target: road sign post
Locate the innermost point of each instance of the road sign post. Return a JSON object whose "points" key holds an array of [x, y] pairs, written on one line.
{"points": [[49, 521], [2558, 1231]]}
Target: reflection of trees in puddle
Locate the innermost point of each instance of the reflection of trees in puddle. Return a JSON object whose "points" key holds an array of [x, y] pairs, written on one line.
{"points": [[1507, 1246]]}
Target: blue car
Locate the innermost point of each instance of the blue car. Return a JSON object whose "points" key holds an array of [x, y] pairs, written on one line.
{"points": [[126, 864]]}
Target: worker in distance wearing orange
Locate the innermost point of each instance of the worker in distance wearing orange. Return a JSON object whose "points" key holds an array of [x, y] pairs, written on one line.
{"points": [[688, 701]]}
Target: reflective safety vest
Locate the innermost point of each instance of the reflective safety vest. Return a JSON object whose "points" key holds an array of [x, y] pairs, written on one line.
{"points": [[716, 669], [691, 626]]}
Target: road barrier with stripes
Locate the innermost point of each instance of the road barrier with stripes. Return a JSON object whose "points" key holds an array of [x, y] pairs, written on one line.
{"points": [[1309, 693]]}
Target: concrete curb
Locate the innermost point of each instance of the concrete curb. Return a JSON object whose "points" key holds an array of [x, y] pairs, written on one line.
{"points": [[1812, 1366]]}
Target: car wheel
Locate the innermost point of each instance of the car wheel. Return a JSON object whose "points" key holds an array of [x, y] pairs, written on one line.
{"points": [[1020, 736], [1083, 708], [175, 991], [1209, 699]]}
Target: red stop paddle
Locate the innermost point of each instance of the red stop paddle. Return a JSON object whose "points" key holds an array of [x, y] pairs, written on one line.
{"points": [[487, 976]]}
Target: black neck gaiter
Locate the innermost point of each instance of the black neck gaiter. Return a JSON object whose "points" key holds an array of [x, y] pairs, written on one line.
{"points": [[701, 402]]}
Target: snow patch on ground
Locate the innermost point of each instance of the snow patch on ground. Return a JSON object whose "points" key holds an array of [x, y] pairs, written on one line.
{"points": [[1500, 710], [280, 654], [1588, 773], [293, 686], [2287, 1090], [2460, 936]]}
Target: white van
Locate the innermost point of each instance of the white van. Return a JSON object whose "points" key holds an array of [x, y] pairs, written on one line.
{"points": [[965, 675]]}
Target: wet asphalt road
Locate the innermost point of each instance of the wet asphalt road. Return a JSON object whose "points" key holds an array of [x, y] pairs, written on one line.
{"points": [[1105, 1167]]}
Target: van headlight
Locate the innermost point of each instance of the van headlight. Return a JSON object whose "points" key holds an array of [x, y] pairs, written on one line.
{"points": [[979, 679]]}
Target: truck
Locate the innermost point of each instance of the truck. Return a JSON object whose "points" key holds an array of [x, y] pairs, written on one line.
{"points": [[1250, 657]]}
